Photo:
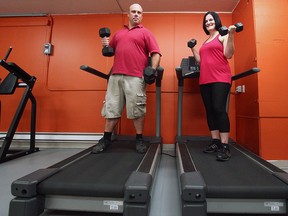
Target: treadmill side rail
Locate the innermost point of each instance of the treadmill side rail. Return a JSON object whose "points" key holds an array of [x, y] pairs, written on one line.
{"points": [[133, 209], [193, 187], [283, 176], [193, 194], [27, 185], [27, 206], [137, 194], [137, 188], [194, 208]]}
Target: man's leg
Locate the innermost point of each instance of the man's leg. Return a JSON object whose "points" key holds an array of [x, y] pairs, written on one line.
{"points": [[105, 141], [111, 111], [139, 126], [110, 124]]}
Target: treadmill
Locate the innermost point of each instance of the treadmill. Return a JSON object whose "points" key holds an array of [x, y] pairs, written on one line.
{"points": [[246, 184], [118, 180]]}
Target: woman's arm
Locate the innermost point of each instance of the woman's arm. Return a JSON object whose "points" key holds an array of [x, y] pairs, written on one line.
{"points": [[228, 42], [196, 54]]}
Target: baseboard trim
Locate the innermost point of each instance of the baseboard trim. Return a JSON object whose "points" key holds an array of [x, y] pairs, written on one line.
{"points": [[63, 140], [55, 140], [43, 136]]}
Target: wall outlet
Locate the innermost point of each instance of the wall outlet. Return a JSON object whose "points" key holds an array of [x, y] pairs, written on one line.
{"points": [[240, 89], [47, 48]]}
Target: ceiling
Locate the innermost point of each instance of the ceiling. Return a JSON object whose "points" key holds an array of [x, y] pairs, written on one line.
{"points": [[35, 7]]}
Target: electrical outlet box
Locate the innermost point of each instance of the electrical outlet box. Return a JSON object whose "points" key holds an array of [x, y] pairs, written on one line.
{"points": [[240, 89], [48, 49]]}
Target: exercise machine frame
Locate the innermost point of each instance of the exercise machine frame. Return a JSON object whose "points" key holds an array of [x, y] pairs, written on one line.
{"points": [[8, 86]]}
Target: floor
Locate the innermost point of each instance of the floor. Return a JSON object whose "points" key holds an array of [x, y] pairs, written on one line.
{"points": [[165, 196], [163, 204]]}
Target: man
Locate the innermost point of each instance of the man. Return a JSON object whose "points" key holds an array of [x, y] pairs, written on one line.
{"points": [[132, 46]]}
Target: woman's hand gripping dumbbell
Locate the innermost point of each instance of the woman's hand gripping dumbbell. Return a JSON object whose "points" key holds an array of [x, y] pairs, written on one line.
{"points": [[224, 30]]}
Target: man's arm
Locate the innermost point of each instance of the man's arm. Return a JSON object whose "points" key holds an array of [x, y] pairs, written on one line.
{"points": [[155, 60]]}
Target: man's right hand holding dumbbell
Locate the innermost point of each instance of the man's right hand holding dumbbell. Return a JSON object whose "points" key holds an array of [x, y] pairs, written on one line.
{"points": [[104, 33], [150, 75]]}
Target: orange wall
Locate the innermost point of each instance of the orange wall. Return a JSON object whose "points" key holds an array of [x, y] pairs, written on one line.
{"points": [[70, 100], [272, 46], [247, 106], [261, 113]]}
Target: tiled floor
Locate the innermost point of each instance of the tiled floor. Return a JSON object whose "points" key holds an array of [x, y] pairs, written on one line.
{"points": [[282, 164], [165, 200]]}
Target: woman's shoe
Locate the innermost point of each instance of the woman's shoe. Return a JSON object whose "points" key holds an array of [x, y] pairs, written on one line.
{"points": [[213, 146], [223, 153]]}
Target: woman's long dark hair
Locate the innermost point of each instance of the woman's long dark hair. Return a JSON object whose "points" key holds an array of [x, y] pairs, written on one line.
{"points": [[216, 17]]}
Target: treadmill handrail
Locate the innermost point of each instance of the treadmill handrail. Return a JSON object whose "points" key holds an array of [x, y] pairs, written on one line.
{"points": [[94, 71], [91, 70], [159, 76], [195, 73], [245, 73]]}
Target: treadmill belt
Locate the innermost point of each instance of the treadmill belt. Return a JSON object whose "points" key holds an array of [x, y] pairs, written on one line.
{"points": [[97, 175], [239, 177]]}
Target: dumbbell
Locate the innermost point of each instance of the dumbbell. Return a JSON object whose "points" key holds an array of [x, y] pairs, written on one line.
{"points": [[224, 30], [149, 75], [107, 50], [191, 43]]}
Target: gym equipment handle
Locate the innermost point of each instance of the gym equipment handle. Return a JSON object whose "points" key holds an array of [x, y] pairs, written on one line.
{"points": [[246, 73], [94, 71]]}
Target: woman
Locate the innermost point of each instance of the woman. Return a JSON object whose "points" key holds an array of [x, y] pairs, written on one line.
{"points": [[215, 82]]}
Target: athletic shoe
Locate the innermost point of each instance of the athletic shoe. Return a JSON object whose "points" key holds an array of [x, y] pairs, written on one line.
{"points": [[224, 153], [213, 146], [140, 146], [102, 145]]}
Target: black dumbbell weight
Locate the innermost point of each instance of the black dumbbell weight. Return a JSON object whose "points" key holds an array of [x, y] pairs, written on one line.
{"points": [[149, 75], [191, 43], [224, 30], [239, 27], [107, 50]]}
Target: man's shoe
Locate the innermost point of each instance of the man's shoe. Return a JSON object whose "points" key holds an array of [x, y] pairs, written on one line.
{"points": [[224, 153], [102, 145], [140, 146], [213, 146]]}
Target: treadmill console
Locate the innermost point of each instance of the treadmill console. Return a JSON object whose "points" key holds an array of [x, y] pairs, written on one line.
{"points": [[190, 68]]}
